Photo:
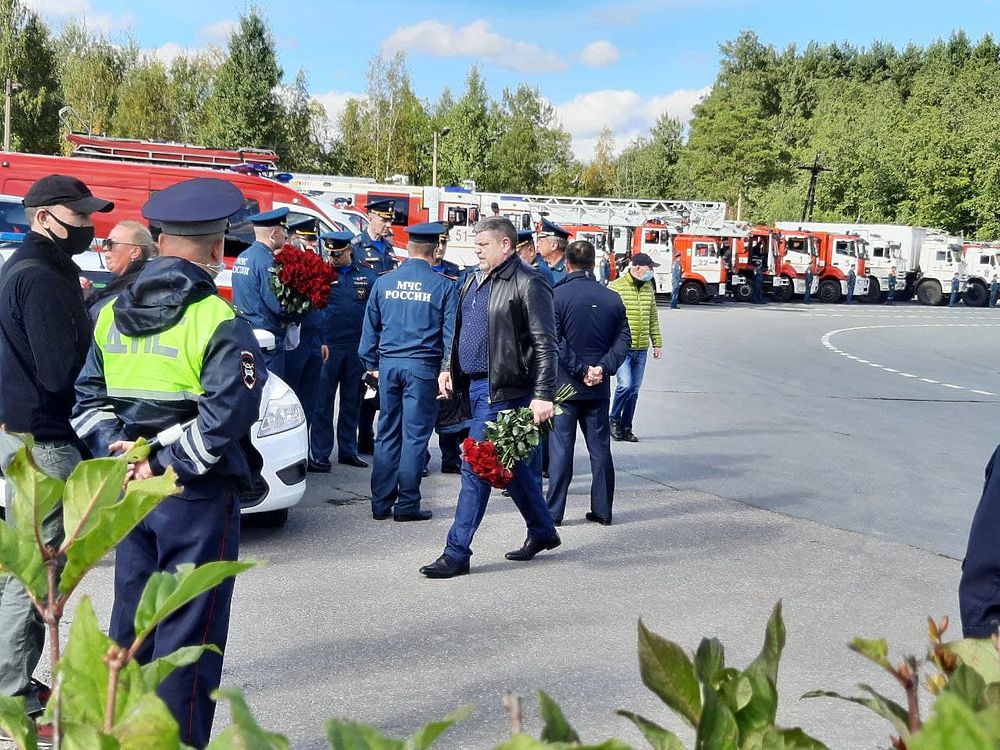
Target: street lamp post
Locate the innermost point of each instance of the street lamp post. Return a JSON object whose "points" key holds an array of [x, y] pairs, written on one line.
{"points": [[434, 168], [9, 88]]}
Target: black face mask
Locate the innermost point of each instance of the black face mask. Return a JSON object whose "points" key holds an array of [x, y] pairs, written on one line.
{"points": [[77, 239]]}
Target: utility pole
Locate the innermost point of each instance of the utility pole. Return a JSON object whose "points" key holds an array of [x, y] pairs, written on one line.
{"points": [[434, 159], [814, 170]]}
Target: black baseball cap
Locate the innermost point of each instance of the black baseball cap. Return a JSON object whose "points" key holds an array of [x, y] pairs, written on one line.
{"points": [[63, 190], [641, 259]]}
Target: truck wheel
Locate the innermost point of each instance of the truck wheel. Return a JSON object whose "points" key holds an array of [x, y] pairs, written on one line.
{"points": [[743, 293], [829, 291], [976, 294], [874, 295], [692, 293], [784, 292], [929, 292]]}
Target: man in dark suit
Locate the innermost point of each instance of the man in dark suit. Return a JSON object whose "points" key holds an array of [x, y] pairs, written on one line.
{"points": [[594, 340]]}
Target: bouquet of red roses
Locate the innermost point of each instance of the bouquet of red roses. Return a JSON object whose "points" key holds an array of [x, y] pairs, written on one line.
{"points": [[511, 438], [301, 280]]}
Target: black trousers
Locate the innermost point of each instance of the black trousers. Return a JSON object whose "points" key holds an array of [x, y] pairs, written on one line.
{"points": [[182, 529], [979, 589], [592, 417]]}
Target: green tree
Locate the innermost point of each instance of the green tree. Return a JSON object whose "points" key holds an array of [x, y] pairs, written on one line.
{"points": [[647, 167], [598, 177], [146, 108], [243, 109], [191, 80], [464, 153], [305, 150], [91, 71], [35, 108]]}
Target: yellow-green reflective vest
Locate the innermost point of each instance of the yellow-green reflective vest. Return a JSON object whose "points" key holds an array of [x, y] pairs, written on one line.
{"points": [[165, 366]]}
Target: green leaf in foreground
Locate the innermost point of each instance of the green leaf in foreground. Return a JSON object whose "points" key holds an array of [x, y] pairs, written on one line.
{"points": [[557, 728], [668, 672], [244, 732]]}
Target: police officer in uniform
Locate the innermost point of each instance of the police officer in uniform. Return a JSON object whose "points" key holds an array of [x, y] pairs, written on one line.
{"points": [[552, 241], [758, 282], [371, 248], [454, 414], [170, 351], [994, 289], [409, 325], [342, 320], [303, 363], [852, 279], [809, 283], [253, 293], [675, 281], [526, 249]]}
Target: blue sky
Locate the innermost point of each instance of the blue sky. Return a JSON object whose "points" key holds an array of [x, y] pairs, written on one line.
{"points": [[600, 62]]}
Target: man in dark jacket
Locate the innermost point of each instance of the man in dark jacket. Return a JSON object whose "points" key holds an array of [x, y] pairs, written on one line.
{"points": [[594, 340], [44, 336], [505, 355], [170, 351]]}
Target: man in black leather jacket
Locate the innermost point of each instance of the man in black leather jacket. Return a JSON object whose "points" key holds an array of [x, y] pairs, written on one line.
{"points": [[505, 355]]}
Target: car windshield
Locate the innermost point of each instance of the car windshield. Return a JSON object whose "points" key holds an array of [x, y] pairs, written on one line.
{"points": [[12, 218], [797, 245]]}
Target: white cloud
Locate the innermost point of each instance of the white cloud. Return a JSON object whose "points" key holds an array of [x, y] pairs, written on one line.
{"points": [[169, 52], [476, 40], [624, 111], [80, 10], [217, 32], [600, 54]]}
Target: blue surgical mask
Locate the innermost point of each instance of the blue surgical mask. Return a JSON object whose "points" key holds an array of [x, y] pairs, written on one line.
{"points": [[647, 276]]}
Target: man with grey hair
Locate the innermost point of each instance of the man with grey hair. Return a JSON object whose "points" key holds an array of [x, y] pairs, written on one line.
{"points": [[505, 356], [552, 242]]}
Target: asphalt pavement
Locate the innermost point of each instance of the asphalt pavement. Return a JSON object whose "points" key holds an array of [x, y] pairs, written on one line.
{"points": [[828, 456]]}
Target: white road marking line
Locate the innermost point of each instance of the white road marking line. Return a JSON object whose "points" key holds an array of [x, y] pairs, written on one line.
{"points": [[825, 340]]}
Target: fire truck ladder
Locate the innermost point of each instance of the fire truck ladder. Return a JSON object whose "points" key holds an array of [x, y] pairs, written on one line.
{"points": [[625, 212], [174, 154]]}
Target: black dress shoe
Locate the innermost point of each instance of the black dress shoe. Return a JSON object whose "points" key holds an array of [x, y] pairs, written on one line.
{"points": [[318, 468], [353, 461], [382, 516], [420, 515], [445, 567], [451, 469], [545, 474], [616, 431], [598, 519], [629, 437], [530, 548]]}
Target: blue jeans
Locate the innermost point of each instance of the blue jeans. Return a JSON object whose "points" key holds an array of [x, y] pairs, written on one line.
{"points": [[525, 490], [342, 370], [954, 298], [675, 293], [628, 380], [406, 420]]}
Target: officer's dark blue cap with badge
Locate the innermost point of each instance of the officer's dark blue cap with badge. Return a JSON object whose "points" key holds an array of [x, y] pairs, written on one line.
{"points": [[276, 218], [307, 227], [548, 229], [336, 242], [385, 208], [192, 208], [524, 236], [430, 233]]}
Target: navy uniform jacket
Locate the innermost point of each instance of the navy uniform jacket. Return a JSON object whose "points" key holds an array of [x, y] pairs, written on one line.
{"points": [[543, 269], [376, 254], [592, 330], [448, 269], [410, 317], [253, 294], [166, 351], [557, 271], [344, 314]]}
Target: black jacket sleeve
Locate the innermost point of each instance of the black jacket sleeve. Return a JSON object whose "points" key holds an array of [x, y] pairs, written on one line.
{"points": [[540, 316]]}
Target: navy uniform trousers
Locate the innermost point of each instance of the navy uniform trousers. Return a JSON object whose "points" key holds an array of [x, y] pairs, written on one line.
{"points": [[408, 411], [592, 416], [979, 589], [182, 529], [525, 490], [341, 372]]}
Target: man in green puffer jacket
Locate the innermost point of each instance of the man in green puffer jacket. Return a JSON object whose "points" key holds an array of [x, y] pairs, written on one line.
{"points": [[635, 287]]}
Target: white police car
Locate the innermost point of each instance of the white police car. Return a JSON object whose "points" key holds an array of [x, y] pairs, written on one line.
{"points": [[280, 435]]}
